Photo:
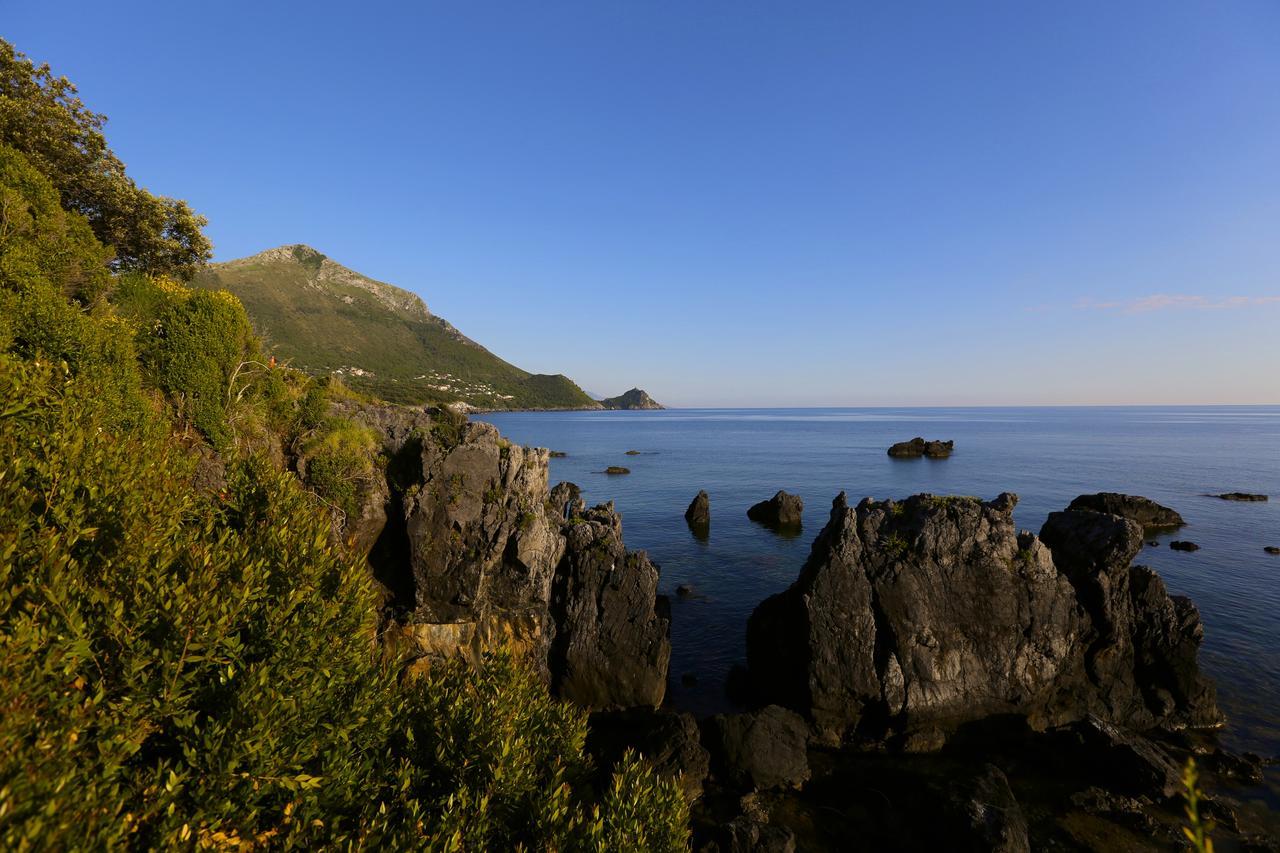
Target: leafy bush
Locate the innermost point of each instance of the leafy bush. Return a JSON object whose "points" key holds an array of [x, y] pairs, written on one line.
{"points": [[179, 669], [337, 459]]}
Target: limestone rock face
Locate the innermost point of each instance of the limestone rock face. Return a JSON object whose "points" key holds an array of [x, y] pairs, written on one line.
{"points": [[477, 551], [936, 611], [611, 646], [781, 510], [1148, 513]]}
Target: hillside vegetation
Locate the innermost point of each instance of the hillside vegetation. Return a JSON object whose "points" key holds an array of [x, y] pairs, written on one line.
{"points": [[189, 661], [328, 320]]}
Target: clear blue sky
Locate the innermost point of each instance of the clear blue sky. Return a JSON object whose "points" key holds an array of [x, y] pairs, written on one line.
{"points": [[743, 203]]}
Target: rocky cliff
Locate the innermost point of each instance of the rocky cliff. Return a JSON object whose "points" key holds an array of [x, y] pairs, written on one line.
{"points": [[923, 614], [473, 550]]}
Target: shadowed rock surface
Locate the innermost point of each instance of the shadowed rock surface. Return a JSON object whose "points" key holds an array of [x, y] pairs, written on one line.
{"points": [[668, 740], [781, 510], [761, 749], [934, 611], [1148, 513], [918, 447]]}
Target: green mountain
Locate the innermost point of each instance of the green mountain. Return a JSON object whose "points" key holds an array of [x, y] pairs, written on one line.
{"points": [[330, 320]]}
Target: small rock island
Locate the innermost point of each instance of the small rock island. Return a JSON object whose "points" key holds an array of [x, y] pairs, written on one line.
{"points": [[917, 447], [632, 400]]}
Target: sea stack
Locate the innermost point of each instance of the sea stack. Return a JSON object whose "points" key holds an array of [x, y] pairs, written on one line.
{"points": [[699, 512]]}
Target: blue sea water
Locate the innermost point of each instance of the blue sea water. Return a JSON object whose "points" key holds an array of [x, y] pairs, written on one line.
{"points": [[1047, 456]]}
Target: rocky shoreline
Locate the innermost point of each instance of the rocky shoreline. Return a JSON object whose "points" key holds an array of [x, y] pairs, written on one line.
{"points": [[934, 676]]}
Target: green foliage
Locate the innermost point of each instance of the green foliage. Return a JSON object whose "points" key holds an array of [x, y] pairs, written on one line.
{"points": [[337, 457], [1198, 828], [323, 318], [194, 344], [180, 670], [41, 116]]}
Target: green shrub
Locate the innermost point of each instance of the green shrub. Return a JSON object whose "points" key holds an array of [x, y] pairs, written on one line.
{"points": [[338, 459], [179, 670]]}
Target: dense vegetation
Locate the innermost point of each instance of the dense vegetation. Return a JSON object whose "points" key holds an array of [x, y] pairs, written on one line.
{"points": [[326, 318], [199, 667]]}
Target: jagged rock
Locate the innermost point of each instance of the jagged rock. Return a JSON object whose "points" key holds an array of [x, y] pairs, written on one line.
{"points": [[983, 815], [633, 399], [699, 511], [1183, 545], [1128, 762], [761, 749], [934, 611], [781, 510], [918, 447], [611, 647], [668, 740], [1148, 513], [479, 552], [1241, 496]]}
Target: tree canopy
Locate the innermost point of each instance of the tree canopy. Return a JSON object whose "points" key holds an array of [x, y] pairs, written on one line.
{"points": [[42, 117]]}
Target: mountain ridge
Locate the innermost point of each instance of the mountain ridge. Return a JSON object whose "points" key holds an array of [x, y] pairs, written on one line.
{"points": [[328, 319]]}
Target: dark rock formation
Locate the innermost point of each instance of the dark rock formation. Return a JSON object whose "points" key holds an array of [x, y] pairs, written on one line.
{"points": [[933, 611], [632, 453], [759, 750], [982, 814], [684, 590], [1183, 545], [1241, 496], [617, 469], [557, 454], [1272, 549], [668, 740], [781, 510], [476, 551], [917, 447], [633, 399], [1130, 764], [699, 511], [1148, 513], [611, 646]]}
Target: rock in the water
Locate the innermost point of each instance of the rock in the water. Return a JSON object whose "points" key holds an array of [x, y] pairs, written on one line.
{"points": [[632, 453], [1148, 513], [557, 454], [761, 749], [617, 469], [611, 646], [1272, 549], [633, 399], [934, 610], [781, 510], [699, 511], [668, 740], [684, 590], [1241, 496], [918, 447], [1183, 545]]}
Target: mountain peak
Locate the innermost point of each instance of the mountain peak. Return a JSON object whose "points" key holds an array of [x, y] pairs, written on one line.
{"points": [[327, 275]]}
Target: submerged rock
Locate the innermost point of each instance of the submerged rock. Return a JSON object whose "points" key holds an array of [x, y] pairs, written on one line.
{"points": [[934, 610], [1183, 545], [918, 447], [1148, 513], [699, 511], [781, 510]]}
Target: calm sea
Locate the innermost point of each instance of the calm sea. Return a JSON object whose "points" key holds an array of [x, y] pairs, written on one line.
{"points": [[1046, 455]]}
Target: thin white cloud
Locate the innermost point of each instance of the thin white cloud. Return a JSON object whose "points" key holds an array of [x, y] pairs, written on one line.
{"points": [[1176, 302]]}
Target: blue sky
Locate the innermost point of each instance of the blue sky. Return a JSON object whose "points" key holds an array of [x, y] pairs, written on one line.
{"points": [[743, 203]]}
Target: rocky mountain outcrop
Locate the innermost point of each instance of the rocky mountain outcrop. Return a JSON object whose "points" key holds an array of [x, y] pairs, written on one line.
{"points": [[1148, 513], [918, 447], [477, 551], [929, 612], [633, 399], [782, 510]]}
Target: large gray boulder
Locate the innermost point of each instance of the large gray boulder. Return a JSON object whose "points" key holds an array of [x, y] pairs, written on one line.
{"points": [[934, 611]]}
